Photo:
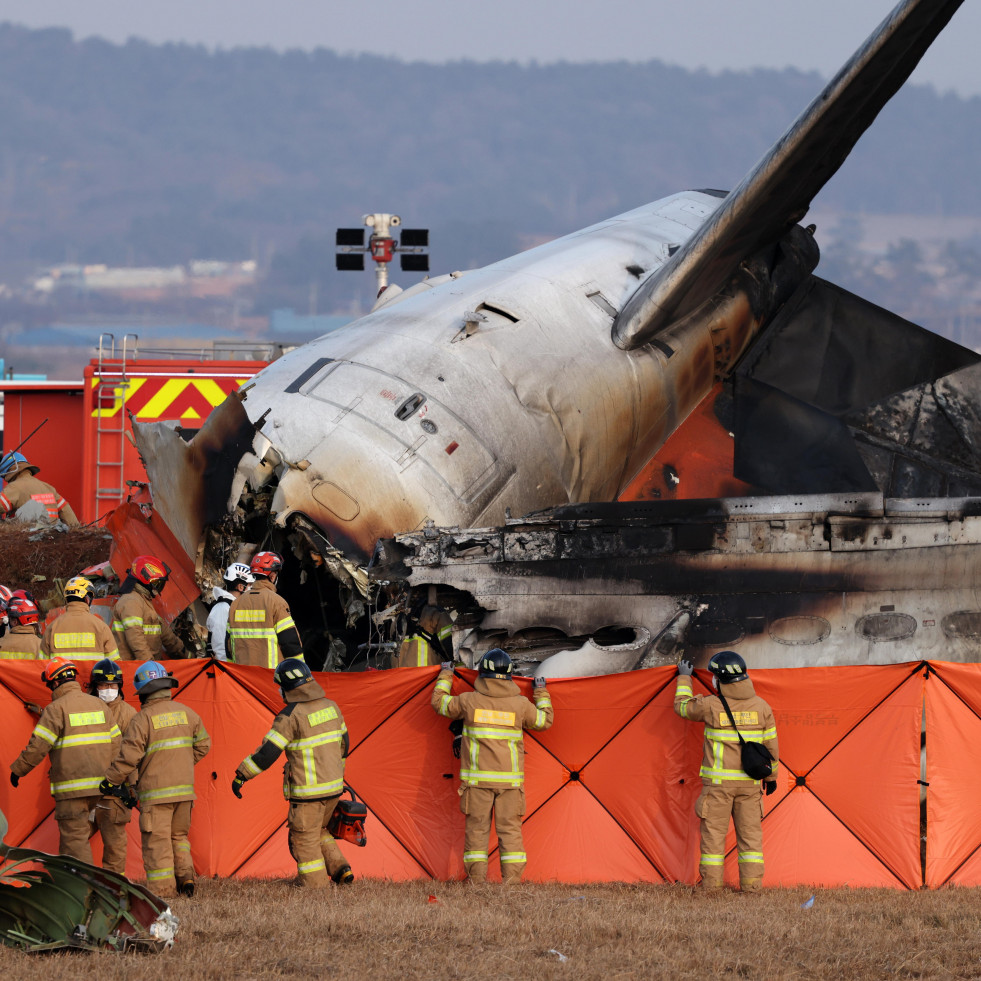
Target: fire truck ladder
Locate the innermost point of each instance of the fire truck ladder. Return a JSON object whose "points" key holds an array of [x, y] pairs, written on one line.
{"points": [[110, 429]]}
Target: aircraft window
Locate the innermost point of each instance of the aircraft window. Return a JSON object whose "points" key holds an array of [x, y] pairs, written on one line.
{"points": [[501, 313], [410, 406], [886, 627], [965, 624], [603, 303], [715, 633], [305, 376], [798, 631]]}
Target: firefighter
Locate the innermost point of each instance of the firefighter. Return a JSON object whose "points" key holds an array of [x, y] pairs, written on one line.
{"points": [[429, 640], [163, 742], [112, 814], [492, 769], [237, 579], [21, 485], [260, 628], [727, 791], [141, 634], [21, 639], [79, 633], [81, 738], [312, 731]]}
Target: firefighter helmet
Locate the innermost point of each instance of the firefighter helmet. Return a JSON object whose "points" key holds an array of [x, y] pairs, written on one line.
{"points": [[291, 673], [79, 588], [149, 571], [5, 595], [238, 572], [105, 672], [495, 664], [22, 610], [57, 671], [265, 562], [13, 463], [151, 677], [728, 667]]}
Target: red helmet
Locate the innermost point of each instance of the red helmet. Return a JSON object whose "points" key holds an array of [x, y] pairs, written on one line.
{"points": [[22, 610], [265, 562], [57, 671], [150, 571]]}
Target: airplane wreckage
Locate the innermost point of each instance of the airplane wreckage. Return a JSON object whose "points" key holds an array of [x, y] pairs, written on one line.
{"points": [[710, 446]]}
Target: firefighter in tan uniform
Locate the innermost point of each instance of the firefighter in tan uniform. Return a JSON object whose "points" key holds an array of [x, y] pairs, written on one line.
{"points": [[312, 731], [492, 761], [429, 640], [260, 627], [21, 486], [727, 790], [79, 634], [79, 736], [140, 633], [163, 742], [21, 639], [112, 814]]}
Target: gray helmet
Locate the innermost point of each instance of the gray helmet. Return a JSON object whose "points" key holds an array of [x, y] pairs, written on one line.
{"points": [[495, 664], [728, 667]]}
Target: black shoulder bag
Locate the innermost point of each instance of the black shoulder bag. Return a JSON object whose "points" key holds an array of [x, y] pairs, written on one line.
{"points": [[757, 760]]}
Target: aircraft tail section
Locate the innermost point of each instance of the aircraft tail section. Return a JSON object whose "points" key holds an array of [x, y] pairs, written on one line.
{"points": [[777, 193]]}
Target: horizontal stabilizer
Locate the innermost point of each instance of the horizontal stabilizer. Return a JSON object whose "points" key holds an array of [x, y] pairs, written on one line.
{"points": [[776, 194]]}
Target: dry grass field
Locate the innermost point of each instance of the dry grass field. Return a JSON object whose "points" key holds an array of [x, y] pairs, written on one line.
{"points": [[242, 930]]}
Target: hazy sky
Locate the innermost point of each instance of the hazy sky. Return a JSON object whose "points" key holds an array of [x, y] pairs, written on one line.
{"points": [[715, 34]]}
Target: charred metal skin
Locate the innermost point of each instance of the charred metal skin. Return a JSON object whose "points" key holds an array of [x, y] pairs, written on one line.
{"points": [[553, 377], [785, 582]]}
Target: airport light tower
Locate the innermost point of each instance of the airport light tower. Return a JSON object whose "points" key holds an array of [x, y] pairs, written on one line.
{"points": [[382, 246]]}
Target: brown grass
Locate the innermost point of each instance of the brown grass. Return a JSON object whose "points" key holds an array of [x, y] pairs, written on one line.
{"points": [[373, 930]]}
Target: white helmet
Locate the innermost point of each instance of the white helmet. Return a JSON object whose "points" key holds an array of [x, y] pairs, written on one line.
{"points": [[238, 572]]}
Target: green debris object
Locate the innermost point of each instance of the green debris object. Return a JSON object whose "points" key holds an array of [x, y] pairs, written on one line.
{"points": [[53, 902]]}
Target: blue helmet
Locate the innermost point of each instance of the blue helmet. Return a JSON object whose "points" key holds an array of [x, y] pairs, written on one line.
{"points": [[13, 463], [151, 677]]}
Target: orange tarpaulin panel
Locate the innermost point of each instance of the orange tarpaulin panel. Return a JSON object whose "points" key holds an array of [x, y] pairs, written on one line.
{"points": [[610, 787], [849, 736], [953, 720]]}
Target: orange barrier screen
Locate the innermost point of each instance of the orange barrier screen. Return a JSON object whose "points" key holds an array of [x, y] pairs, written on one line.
{"points": [[610, 787]]}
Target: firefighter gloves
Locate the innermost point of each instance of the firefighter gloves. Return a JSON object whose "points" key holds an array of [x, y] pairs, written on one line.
{"points": [[14, 779], [686, 667], [237, 784], [540, 683], [771, 786]]}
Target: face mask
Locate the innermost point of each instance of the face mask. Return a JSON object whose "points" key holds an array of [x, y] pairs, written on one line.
{"points": [[108, 694]]}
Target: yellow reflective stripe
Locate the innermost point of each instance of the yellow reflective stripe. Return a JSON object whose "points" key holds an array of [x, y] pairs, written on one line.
{"points": [[180, 742], [287, 621], [418, 652], [318, 789], [769, 734], [754, 857], [305, 868], [513, 857], [444, 684], [128, 622], [182, 789], [249, 768], [83, 783], [489, 732], [153, 875], [46, 734], [252, 633], [540, 718], [84, 739], [319, 740], [730, 736], [277, 739], [151, 628], [470, 857], [249, 616], [115, 732], [89, 655], [494, 776], [720, 775], [711, 859], [445, 632]]}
